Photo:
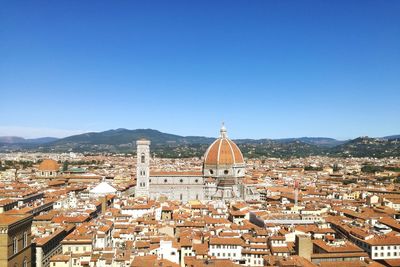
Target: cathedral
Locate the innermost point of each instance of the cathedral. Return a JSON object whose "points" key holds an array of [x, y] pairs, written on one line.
{"points": [[221, 178]]}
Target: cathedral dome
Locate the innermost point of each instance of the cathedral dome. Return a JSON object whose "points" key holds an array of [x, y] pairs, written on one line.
{"points": [[223, 152], [49, 165]]}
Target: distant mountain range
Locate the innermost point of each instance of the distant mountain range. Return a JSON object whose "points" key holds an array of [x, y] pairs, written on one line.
{"points": [[20, 140], [390, 137], [170, 145]]}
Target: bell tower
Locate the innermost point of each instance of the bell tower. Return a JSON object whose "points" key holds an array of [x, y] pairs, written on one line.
{"points": [[142, 168]]}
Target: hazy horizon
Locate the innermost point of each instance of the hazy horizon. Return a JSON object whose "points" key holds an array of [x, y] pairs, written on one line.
{"points": [[59, 133]]}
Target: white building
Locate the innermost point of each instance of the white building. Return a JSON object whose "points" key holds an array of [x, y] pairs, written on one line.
{"points": [[379, 247], [167, 251], [226, 248]]}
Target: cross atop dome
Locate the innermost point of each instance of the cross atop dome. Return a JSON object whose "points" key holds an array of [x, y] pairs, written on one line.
{"points": [[223, 131]]}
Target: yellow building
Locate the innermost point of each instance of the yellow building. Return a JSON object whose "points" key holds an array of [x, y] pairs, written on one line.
{"points": [[15, 240]]}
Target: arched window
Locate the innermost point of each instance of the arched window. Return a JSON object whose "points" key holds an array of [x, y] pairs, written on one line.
{"points": [[181, 196], [15, 245], [142, 158]]}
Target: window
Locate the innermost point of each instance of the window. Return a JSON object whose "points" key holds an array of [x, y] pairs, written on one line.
{"points": [[211, 171], [376, 254], [196, 181], [165, 180], [181, 197], [25, 263], [25, 240], [181, 180], [226, 172], [15, 245], [142, 158]]}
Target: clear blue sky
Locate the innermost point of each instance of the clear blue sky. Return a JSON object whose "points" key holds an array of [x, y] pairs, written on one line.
{"points": [[267, 68]]}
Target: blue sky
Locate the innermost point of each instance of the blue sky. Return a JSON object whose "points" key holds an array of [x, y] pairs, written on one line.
{"points": [[268, 69]]}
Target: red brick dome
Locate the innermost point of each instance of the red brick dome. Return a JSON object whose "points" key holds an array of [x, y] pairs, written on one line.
{"points": [[49, 165], [223, 152]]}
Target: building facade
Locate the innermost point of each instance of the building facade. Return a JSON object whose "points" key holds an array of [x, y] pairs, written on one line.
{"points": [[15, 240]]}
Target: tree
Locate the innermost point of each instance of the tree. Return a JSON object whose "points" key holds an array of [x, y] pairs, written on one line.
{"points": [[65, 166], [371, 169], [336, 167]]}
